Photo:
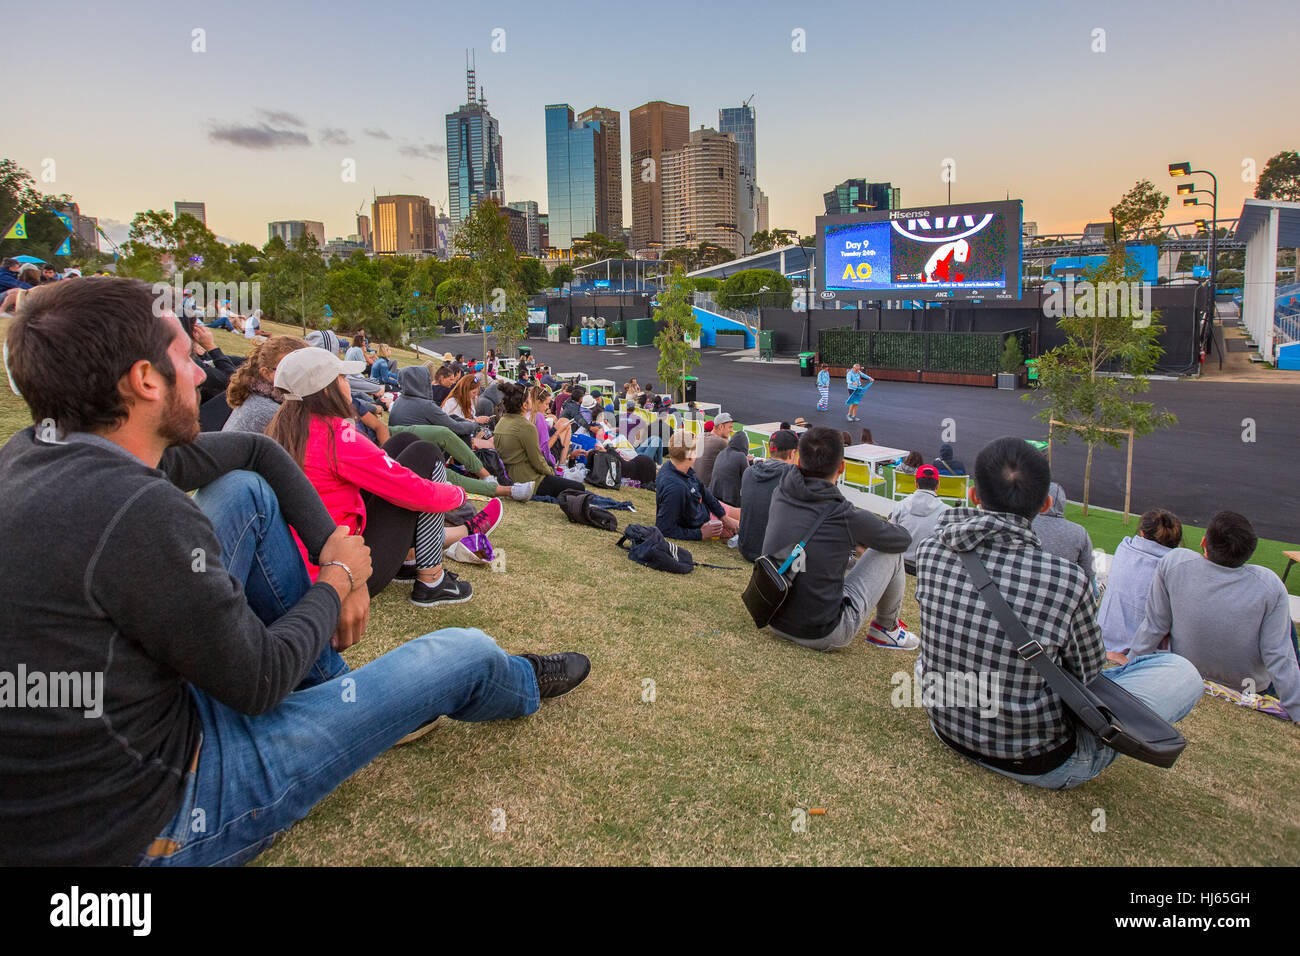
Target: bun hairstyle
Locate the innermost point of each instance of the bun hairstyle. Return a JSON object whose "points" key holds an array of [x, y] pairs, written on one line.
{"points": [[1161, 526], [512, 397]]}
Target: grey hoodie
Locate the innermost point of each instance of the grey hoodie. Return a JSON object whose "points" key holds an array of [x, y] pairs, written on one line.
{"points": [[919, 512], [415, 405], [729, 469], [1061, 536], [756, 488]]}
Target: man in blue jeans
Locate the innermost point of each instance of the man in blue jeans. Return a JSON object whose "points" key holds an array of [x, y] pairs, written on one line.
{"points": [[1022, 729], [184, 701]]}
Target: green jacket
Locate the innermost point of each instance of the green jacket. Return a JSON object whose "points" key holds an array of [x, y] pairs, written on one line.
{"points": [[515, 438]]}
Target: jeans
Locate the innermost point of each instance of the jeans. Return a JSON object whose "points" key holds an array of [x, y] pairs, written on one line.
{"points": [[221, 322], [1166, 683], [653, 448], [876, 582], [258, 775]]}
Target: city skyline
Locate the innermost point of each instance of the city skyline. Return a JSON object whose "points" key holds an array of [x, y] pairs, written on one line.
{"points": [[1020, 102]]}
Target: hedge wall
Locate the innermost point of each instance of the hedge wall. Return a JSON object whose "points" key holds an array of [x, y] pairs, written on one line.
{"points": [[967, 352]]}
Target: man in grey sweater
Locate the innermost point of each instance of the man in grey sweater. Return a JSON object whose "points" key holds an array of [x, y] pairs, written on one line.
{"points": [[729, 470], [415, 405], [761, 480], [1061, 536], [1229, 618], [136, 650]]}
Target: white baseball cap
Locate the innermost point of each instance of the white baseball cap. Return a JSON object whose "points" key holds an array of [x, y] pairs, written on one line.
{"points": [[308, 371]]}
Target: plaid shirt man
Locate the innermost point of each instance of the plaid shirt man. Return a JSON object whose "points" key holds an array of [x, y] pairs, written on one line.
{"points": [[1053, 599]]}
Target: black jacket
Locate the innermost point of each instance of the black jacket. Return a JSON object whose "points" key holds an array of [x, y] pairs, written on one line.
{"points": [[682, 504]]}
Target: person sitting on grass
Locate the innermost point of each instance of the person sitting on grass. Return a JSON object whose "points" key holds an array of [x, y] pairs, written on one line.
{"points": [[1229, 618], [520, 449], [395, 496], [1128, 584], [1061, 536], [384, 369], [443, 379], [827, 607], [757, 487], [909, 464], [572, 409], [535, 405], [251, 393], [222, 685], [729, 470], [946, 464], [714, 441], [684, 508], [1025, 730], [253, 326], [460, 403], [919, 512]]}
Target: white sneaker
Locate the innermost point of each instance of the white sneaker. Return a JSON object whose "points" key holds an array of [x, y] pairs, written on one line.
{"points": [[733, 541], [523, 490], [899, 639]]}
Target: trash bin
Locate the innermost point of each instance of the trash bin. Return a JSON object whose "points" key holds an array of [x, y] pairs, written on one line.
{"points": [[600, 336], [806, 364], [691, 383], [525, 350], [1031, 366], [553, 333], [765, 344]]}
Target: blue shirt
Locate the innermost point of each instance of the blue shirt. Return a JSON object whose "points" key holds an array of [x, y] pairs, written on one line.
{"points": [[853, 379], [823, 378]]}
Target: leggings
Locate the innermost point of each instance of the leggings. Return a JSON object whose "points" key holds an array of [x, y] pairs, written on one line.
{"points": [[392, 530], [454, 448], [552, 485]]}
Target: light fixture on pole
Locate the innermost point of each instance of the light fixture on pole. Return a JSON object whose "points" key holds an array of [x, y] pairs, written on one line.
{"points": [[1185, 169]]}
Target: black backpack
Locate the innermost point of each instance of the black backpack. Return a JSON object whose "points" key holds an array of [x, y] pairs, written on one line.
{"points": [[604, 469], [578, 508], [651, 548], [493, 463]]}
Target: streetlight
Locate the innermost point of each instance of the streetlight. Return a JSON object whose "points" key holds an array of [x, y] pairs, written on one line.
{"points": [[1185, 169], [731, 227]]}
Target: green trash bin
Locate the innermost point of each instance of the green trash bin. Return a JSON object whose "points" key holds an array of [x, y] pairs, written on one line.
{"points": [[765, 344], [806, 364], [1031, 367], [691, 383]]}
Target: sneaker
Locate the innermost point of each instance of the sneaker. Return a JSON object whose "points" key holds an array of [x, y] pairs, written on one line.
{"points": [[450, 590], [559, 673], [487, 519], [417, 733], [733, 541], [523, 490], [899, 639]]}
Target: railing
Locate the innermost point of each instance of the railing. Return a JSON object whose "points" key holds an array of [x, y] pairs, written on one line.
{"points": [[746, 317]]}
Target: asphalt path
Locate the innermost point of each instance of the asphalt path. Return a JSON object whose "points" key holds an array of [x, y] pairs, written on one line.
{"points": [[1236, 445]]}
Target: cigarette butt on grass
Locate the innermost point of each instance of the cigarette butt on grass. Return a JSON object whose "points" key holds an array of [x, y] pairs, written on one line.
{"points": [[817, 811]]}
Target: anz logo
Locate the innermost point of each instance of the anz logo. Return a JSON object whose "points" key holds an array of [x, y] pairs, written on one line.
{"points": [[942, 229]]}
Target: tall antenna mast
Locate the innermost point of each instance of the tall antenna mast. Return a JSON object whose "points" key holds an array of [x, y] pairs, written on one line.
{"points": [[470, 80]]}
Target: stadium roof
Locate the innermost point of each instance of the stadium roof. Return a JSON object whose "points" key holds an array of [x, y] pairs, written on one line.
{"points": [[796, 263], [1254, 212]]}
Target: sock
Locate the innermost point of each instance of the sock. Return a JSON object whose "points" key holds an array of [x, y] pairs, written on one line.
{"points": [[434, 583]]}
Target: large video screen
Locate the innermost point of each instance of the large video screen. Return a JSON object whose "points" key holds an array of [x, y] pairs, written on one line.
{"points": [[967, 251]]}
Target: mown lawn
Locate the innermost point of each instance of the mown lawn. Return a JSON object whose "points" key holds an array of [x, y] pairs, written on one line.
{"points": [[708, 764]]}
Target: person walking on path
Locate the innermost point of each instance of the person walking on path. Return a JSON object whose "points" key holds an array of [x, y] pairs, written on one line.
{"points": [[858, 382], [823, 387]]}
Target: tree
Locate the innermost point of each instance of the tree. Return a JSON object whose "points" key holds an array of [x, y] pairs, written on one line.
{"points": [[762, 241], [511, 323], [1280, 178], [484, 236], [531, 275], [676, 357], [741, 290], [561, 274], [1140, 212], [297, 278], [1111, 337]]}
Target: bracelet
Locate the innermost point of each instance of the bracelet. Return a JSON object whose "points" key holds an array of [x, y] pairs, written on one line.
{"points": [[352, 584]]}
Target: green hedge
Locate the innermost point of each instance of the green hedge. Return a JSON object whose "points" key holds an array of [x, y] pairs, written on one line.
{"points": [[968, 352]]}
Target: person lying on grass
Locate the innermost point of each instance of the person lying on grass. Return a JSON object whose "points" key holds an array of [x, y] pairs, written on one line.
{"points": [[213, 680]]}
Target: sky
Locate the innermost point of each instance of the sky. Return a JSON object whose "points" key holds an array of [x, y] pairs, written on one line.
{"points": [[126, 114]]}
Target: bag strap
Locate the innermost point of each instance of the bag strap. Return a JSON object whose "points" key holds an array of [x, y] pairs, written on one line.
{"points": [[798, 549], [1071, 691]]}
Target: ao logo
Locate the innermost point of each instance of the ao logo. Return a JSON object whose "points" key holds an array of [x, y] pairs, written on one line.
{"points": [[863, 271]]}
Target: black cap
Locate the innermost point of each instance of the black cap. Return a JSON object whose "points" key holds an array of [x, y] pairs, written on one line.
{"points": [[783, 440]]}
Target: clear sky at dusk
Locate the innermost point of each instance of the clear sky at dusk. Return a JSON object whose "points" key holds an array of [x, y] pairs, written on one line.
{"points": [[1012, 91]]}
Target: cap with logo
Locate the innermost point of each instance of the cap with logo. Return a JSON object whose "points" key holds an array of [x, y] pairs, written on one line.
{"points": [[928, 471], [783, 440]]}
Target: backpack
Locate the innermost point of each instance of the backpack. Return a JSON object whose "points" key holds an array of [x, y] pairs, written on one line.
{"points": [[651, 548], [579, 509], [604, 468], [493, 463]]}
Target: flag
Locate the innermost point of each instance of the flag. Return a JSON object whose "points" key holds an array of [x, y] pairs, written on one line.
{"points": [[66, 220], [65, 248], [19, 229]]}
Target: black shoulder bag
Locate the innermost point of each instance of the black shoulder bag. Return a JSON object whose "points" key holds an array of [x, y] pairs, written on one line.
{"points": [[770, 581], [1111, 713]]}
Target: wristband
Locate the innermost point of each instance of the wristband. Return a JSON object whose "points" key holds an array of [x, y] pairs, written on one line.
{"points": [[352, 584]]}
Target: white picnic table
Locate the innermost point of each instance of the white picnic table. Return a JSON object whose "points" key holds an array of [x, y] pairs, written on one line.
{"points": [[767, 430], [601, 383], [877, 504], [570, 376], [873, 456], [704, 408]]}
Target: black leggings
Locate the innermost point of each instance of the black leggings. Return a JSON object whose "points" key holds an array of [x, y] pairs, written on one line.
{"points": [[551, 486], [392, 530]]}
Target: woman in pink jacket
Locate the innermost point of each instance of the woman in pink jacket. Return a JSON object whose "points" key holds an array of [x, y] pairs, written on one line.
{"points": [[395, 497]]}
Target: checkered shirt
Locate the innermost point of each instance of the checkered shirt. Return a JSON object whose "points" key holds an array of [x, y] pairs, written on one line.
{"points": [[1053, 599]]}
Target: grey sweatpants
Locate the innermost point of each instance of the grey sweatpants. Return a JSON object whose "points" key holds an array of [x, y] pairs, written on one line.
{"points": [[875, 583]]}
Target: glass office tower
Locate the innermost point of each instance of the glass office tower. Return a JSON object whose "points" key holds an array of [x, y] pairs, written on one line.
{"points": [[576, 177]]}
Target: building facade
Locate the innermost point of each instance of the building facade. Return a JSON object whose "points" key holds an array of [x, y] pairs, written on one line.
{"points": [[196, 209], [612, 198], [402, 224], [857, 195], [529, 210], [739, 122], [475, 158], [363, 232], [517, 229], [653, 129], [576, 176], [764, 221], [290, 229], [699, 191]]}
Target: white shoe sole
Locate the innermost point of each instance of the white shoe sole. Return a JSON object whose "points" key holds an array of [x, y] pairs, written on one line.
{"points": [[416, 734], [440, 603]]}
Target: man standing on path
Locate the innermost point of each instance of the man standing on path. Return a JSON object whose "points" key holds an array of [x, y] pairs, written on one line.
{"points": [[858, 382]]}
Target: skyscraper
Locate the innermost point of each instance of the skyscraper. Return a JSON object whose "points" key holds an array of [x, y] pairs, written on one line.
{"points": [[739, 122], [290, 229], [529, 209], [474, 155], [610, 124], [363, 232], [196, 209], [699, 191], [654, 128], [857, 195], [576, 176], [403, 224], [764, 221]]}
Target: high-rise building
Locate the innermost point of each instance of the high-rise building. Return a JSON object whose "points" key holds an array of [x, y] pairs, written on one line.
{"points": [[291, 229], [196, 209], [653, 129], [610, 124], [86, 228], [699, 191], [474, 155], [739, 122], [857, 195], [544, 230], [517, 229], [363, 232], [529, 209], [402, 224], [764, 221], [576, 176], [445, 232]]}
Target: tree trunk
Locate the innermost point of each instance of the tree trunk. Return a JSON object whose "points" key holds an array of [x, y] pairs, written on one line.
{"points": [[1087, 480]]}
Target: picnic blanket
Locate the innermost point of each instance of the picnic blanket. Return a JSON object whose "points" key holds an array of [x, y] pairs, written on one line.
{"points": [[1264, 703]]}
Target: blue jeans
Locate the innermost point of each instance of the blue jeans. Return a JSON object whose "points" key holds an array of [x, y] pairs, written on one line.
{"points": [[653, 447], [258, 775], [221, 322], [1168, 684]]}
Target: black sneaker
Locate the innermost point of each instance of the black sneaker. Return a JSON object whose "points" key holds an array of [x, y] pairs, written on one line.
{"points": [[406, 573], [559, 673], [450, 590]]}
